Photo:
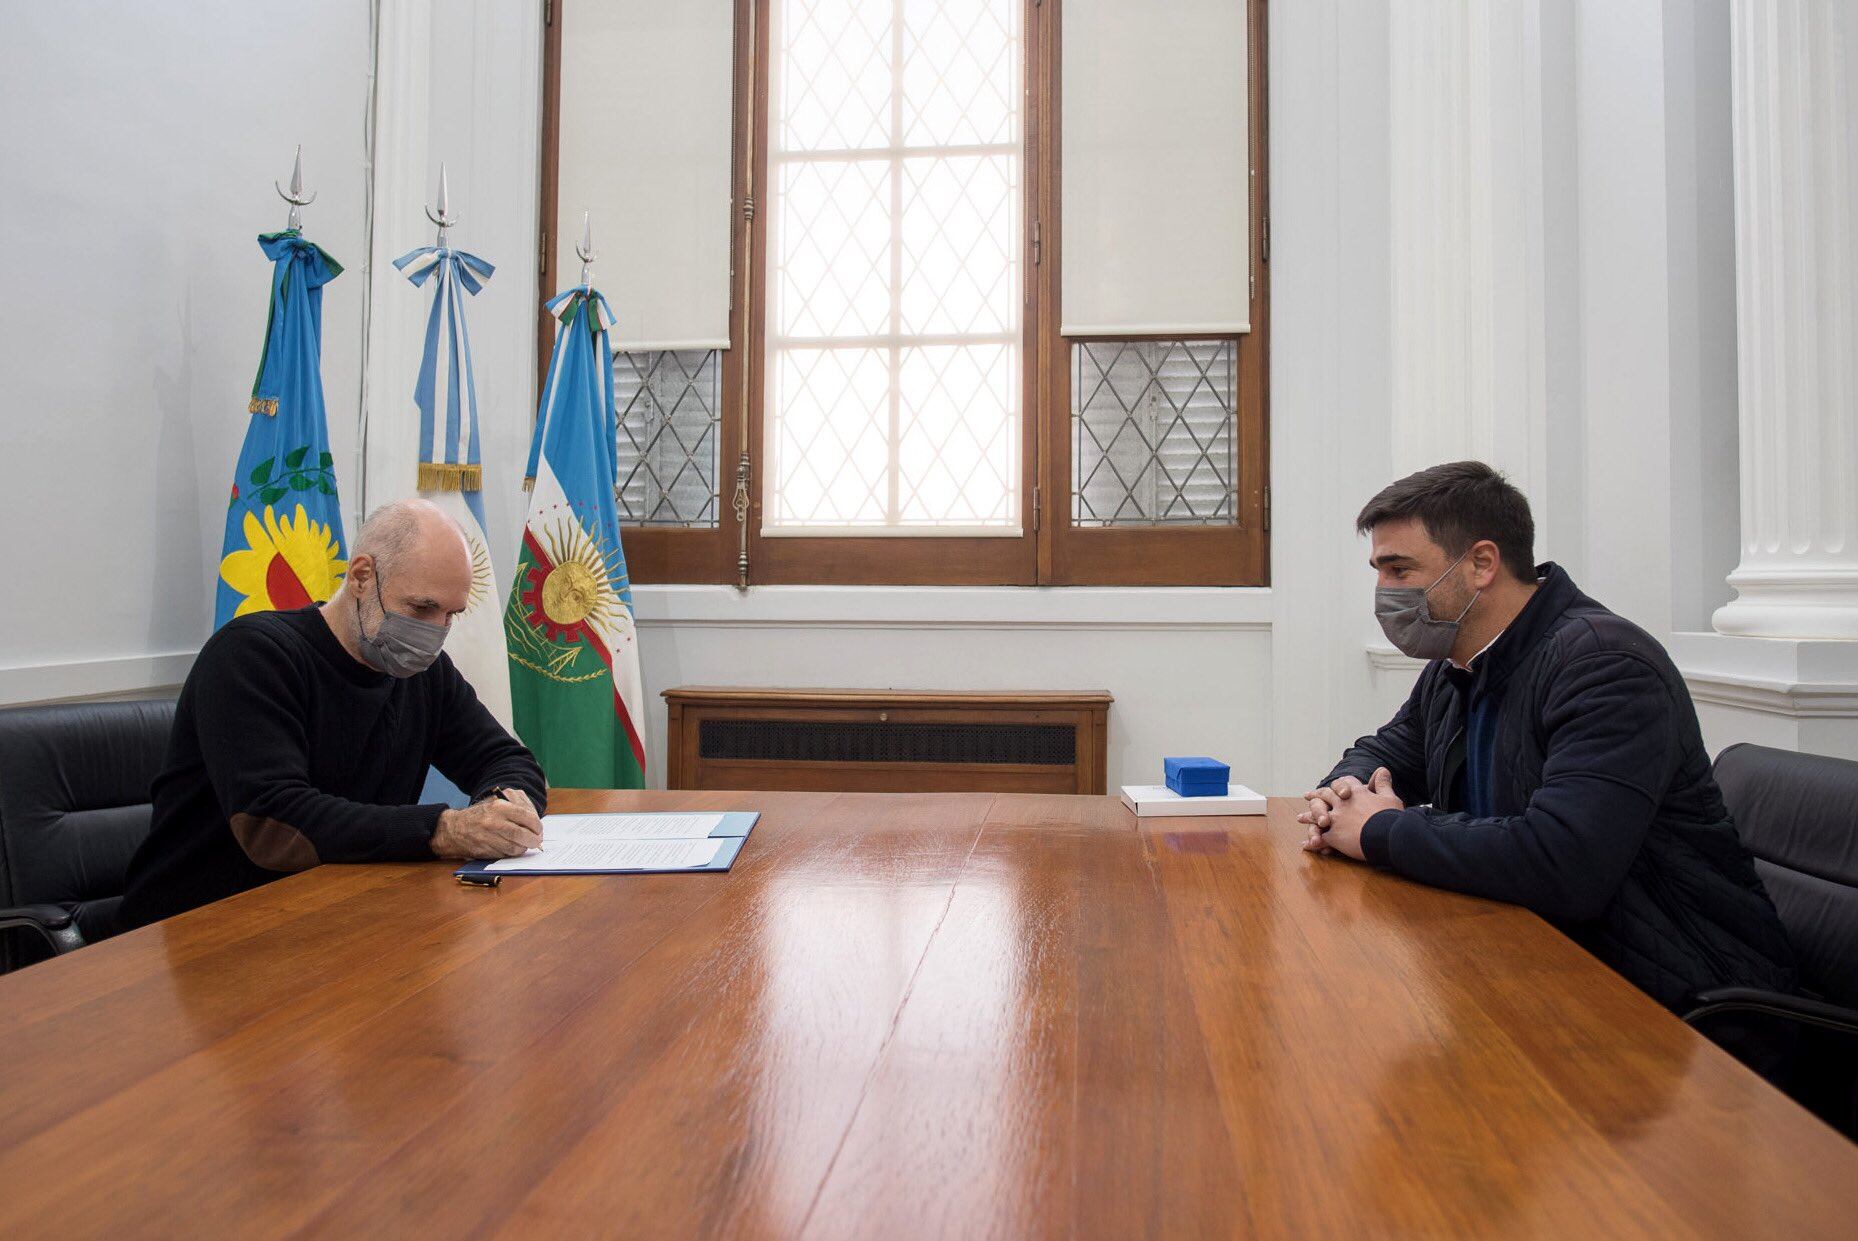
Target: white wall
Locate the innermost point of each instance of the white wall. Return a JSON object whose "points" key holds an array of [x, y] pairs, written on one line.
{"points": [[1613, 276], [1189, 668], [1615, 252], [1706, 531], [138, 144]]}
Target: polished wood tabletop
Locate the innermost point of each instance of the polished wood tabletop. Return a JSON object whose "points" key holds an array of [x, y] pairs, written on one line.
{"points": [[901, 1015]]}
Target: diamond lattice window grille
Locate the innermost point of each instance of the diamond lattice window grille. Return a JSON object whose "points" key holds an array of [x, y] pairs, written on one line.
{"points": [[667, 425], [894, 350], [1154, 432]]}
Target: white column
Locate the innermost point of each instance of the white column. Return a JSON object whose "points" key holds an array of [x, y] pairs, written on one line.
{"points": [[399, 188], [1465, 276], [1464, 135], [1795, 93]]}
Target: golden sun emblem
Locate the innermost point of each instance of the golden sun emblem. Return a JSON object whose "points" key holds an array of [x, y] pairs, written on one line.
{"points": [[573, 589], [480, 573]]}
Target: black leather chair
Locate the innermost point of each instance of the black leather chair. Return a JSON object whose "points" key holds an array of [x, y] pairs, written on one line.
{"points": [[74, 805], [1798, 815]]}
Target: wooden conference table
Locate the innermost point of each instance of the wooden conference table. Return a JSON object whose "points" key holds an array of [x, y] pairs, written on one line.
{"points": [[934, 1015]]}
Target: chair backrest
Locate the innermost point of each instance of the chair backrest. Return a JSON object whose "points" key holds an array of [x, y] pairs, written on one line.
{"points": [[74, 802], [1798, 814]]}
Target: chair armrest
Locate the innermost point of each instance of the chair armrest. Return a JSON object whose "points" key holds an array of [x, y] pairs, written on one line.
{"points": [[54, 922], [1798, 1008]]}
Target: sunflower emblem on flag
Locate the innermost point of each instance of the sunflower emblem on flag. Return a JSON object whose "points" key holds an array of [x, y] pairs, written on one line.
{"points": [[288, 562], [281, 546]]}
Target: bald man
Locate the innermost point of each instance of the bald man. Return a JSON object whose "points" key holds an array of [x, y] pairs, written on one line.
{"points": [[304, 737]]}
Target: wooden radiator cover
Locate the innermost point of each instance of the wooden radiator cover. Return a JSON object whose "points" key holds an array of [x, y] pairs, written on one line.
{"points": [[886, 740]]}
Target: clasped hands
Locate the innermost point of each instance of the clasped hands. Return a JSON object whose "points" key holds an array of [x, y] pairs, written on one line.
{"points": [[1337, 812]]}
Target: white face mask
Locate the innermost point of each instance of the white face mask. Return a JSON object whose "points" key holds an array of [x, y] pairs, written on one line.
{"points": [[400, 645], [1408, 621]]}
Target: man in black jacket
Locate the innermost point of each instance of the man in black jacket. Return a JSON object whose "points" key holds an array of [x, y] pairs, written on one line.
{"points": [[304, 737], [1548, 756]]}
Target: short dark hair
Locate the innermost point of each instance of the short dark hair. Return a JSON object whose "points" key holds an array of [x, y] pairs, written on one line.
{"points": [[1459, 504]]}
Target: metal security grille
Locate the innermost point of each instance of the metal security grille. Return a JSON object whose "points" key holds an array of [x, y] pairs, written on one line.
{"points": [[1154, 432], [801, 741], [666, 414]]}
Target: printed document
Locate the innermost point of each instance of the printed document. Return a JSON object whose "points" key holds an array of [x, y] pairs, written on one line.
{"points": [[577, 827], [593, 853]]}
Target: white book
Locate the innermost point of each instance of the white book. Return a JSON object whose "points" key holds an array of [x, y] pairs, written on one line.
{"points": [[1154, 801]]}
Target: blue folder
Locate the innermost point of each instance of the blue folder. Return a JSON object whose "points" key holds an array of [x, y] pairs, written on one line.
{"points": [[733, 831]]}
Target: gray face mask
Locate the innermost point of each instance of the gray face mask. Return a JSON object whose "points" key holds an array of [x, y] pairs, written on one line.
{"points": [[400, 645], [1408, 622]]}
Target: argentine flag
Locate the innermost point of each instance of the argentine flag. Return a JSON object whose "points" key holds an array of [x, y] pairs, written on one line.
{"points": [[450, 472]]}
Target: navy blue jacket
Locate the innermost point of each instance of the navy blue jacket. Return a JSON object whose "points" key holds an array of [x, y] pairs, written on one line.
{"points": [[1605, 818]]}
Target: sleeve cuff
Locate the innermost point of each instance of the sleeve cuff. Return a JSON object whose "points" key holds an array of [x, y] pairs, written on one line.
{"points": [[1377, 838], [411, 837]]}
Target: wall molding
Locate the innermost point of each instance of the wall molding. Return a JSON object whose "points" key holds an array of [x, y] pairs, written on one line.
{"points": [[93, 678], [1773, 676], [1383, 657], [1793, 699], [1237, 609]]}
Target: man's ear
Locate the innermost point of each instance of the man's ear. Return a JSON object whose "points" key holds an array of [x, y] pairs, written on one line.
{"points": [[1486, 560], [361, 570]]}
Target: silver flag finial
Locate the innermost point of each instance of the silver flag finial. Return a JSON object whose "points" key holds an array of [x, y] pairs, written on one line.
{"points": [[443, 217], [295, 195], [585, 248]]}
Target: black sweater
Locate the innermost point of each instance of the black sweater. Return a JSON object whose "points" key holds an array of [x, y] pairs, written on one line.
{"points": [[288, 752]]}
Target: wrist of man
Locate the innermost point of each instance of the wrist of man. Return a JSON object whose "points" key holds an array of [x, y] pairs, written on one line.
{"points": [[1377, 838]]}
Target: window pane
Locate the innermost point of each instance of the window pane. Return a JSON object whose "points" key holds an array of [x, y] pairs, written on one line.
{"points": [[958, 446], [960, 237], [834, 259], [834, 83], [831, 448], [666, 413], [1153, 432], [960, 72], [894, 353]]}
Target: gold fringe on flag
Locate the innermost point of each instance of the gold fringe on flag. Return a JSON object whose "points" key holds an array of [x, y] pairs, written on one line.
{"points": [[263, 405], [450, 476], [529, 483]]}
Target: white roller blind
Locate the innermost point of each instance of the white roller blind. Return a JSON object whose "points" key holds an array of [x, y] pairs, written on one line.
{"points": [[646, 97], [1157, 218]]}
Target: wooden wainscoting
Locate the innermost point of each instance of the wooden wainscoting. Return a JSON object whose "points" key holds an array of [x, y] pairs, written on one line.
{"points": [[886, 740]]}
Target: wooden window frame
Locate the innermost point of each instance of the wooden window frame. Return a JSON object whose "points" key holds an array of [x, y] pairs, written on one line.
{"points": [[1051, 551]]}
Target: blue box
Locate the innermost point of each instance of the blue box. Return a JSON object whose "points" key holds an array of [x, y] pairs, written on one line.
{"points": [[1197, 777]]}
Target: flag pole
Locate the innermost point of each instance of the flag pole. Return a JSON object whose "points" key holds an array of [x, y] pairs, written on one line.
{"points": [[443, 217], [295, 196], [740, 500], [584, 248]]}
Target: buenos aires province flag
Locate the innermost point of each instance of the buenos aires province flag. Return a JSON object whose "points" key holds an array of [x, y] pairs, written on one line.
{"points": [[574, 654], [283, 544]]}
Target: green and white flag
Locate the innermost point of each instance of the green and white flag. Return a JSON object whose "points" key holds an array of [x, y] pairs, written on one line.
{"points": [[574, 654]]}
